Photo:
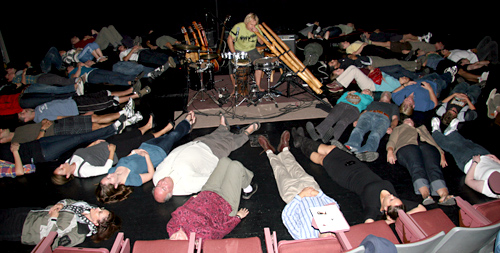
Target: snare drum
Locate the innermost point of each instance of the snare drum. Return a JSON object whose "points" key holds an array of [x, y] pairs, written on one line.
{"points": [[266, 63], [201, 73]]}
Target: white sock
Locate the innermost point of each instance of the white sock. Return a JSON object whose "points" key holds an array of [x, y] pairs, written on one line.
{"points": [[117, 124], [248, 189]]}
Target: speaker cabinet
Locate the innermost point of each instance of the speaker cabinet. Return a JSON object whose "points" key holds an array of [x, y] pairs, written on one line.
{"points": [[290, 41]]}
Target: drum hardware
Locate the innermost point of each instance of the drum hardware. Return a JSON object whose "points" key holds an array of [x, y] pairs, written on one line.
{"points": [[202, 72], [267, 65], [185, 47]]}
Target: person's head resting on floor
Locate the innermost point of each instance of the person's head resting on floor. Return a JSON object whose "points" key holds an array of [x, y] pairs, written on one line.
{"points": [[162, 192]]}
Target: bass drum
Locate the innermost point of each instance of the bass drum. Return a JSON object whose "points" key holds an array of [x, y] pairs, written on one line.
{"points": [[266, 63]]}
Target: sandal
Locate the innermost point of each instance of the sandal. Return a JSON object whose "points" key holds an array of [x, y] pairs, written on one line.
{"points": [[144, 91], [449, 201], [243, 130], [226, 124], [428, 201]]}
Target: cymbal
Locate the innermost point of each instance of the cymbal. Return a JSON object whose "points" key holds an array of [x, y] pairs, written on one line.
{"points": [[208, 56], [186, 47]]}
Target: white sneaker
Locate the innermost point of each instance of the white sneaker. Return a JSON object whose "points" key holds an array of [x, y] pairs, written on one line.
{"points": [[79, 87], [435, 124], [452, 127], [427, 37], [129, 108], [134, 119]]}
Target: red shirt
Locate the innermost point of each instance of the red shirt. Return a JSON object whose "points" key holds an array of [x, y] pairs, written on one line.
{"points": [[9, 104], [206, 214], [83, 43]]}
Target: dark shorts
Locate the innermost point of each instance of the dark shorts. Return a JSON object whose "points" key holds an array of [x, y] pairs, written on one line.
{"points": [[73, 125]]}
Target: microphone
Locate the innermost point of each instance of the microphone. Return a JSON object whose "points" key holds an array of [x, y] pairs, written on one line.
{"points": [[237, 33]]}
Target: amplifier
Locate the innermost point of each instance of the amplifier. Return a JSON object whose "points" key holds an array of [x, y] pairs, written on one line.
{"points": [[290, 41]]}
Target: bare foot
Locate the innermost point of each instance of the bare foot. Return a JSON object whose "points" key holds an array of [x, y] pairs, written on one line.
{"points": [[148, 125], [191, 118], [252, 128]]}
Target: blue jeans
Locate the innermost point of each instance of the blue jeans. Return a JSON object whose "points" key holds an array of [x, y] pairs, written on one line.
{"points": [[45, 88], [423, 164], [131, 68], [54, 146], [106, 76], [52, 57], [32, 100], [152, 57], [166, 141], [398, 71], [472, 91], [460, 148], [372, 122], [442, 80], [86, 54]]}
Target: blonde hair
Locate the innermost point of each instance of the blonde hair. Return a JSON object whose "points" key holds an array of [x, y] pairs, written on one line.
{"points": [[251, 16]]}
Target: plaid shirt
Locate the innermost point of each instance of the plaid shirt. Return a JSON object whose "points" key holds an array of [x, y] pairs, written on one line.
{"points": [[30, 79], [8, 169]]}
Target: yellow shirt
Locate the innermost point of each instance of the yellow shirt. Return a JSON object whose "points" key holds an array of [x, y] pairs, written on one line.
{"points": [[353, 47]]}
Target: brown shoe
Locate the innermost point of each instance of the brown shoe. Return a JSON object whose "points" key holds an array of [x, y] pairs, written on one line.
{"points": [[335, 87], [264, 143], [284, 141]]}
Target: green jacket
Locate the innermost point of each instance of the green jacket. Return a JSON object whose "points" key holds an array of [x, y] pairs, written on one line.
{"points": [[38, 224]]}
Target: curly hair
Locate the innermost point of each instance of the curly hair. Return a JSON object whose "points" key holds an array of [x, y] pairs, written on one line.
{"points": [[107, 193]]}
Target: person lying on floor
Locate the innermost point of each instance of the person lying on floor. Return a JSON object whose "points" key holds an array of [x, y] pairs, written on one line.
{"points": [[378, 196], [213, 213], [188, 167], [51, 148], [72, 220], [139, 166], [482, 168], [415, 149], [97, 158], [298, 189]]}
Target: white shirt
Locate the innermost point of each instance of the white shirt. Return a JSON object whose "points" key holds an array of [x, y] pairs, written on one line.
{"points": [[189, 165], [133, 57], [483, 171], [457, 54], [88, 170]]}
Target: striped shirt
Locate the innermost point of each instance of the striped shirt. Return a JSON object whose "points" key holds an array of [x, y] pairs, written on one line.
{"points": [[297, 217]]}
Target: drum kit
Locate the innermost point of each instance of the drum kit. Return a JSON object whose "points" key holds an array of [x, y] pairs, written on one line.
{"points": [[200, 74], [200, 70]]}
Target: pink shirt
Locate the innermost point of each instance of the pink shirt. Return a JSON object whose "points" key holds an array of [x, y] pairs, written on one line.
{"points": [[206, 214]]}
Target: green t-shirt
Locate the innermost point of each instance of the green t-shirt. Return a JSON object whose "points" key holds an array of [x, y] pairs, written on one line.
{"points": [[246, 40]]}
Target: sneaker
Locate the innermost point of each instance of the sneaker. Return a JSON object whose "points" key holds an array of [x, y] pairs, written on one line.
{"points": [[340, 146], [171, 62], [128, 109], [119, 124], [248, 195], [490, 104], [312, 131], [453, 71], [427, 37], [435, 124], [452, 127], [368, 156], [335, 87], [134, 119], [79, 86]]}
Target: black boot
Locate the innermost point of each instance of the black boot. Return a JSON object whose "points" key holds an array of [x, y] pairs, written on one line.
{"points": [[306, 145]]}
